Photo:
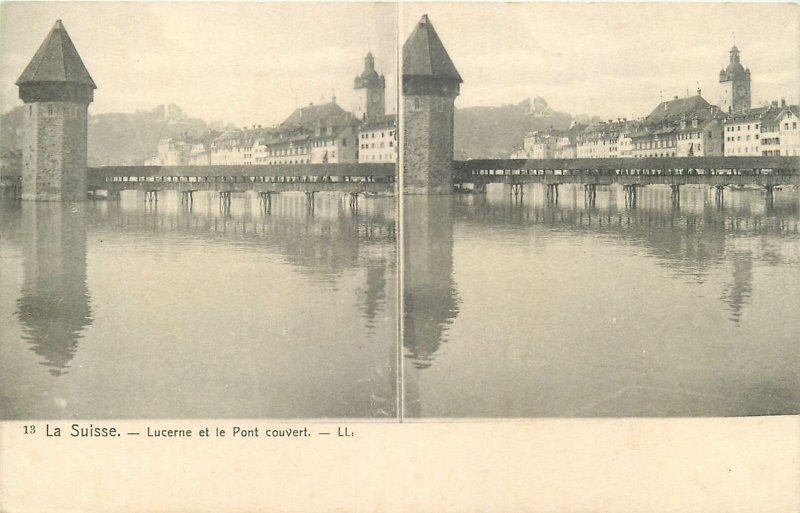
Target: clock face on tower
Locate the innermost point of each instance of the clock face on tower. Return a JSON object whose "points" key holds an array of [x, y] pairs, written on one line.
{"points": [[741, 90], [376, 97]]}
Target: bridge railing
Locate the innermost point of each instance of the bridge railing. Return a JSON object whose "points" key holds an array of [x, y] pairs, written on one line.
{"points": [[611, 166], [249, 173]]}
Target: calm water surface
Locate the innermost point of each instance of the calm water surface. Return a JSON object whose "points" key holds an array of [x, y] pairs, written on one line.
{"points": [[128, 310], [564, 310]]}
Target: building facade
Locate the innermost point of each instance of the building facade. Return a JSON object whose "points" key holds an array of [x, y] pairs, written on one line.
{"points": [[377, 142], [780, 134], [742, 132]]}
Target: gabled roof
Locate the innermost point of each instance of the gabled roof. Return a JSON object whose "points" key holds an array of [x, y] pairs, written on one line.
{"points": [[424, 54], [674, 110], [308, 117], [57, 60]]}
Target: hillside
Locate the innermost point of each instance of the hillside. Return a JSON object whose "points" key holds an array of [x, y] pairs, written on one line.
{"points": [[128, 139], [492, 132], [117, 138]]}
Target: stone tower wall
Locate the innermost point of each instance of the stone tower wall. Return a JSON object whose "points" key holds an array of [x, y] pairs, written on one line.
{"points": [[54, 151], [428, 144]]}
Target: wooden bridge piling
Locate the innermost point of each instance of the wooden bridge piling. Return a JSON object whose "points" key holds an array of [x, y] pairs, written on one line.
{"points": [[354, 201], [676, 196], [630, 195], [552, 193], [516, 194], [590, 194], [769, 196], [719, 196]]}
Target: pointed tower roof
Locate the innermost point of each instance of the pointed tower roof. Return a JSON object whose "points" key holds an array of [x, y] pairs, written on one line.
{"points": [[57, 60], [424, 54]]}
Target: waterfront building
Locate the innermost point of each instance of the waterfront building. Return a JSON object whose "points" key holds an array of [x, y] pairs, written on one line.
{"points": [[735, 85], [335, 143], [551, 143], [377, 142], [170, 152], [780, 134], [611, 139], [657, 135], [566, 146], [539, 144], [700, 133], [199, 155], [742, 131]]}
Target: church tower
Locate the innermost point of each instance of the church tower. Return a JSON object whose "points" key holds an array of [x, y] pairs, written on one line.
{"points": [[735, 83], [370, 93], [57, 91], [430, 86]]}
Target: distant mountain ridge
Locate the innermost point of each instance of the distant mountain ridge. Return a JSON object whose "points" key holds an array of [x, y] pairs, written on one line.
{"points": [[117, 138], [130, 138], [493, 132]]}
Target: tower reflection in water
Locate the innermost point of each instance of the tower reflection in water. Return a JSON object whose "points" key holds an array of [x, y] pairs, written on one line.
{"points": [[53, 308], [430, 300]]}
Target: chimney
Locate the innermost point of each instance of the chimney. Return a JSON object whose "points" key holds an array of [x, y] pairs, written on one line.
{"points": [[783, 102]]}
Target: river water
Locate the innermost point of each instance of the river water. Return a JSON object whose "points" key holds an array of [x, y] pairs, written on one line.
{"points": [[541, 309], [136, 310], [514, 307]]}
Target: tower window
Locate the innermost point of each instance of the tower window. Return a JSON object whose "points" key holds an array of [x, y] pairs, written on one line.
{"points": [[30, 110], [416, 103], [49, 110]]}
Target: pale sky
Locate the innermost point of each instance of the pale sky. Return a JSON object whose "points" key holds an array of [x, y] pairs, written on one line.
{"points": [[612, 60], [245, 63], [252, 63]]}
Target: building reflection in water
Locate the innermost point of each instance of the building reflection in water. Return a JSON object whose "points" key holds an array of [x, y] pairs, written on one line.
{"points": [[689, 240], [737, 294], [53, 307]]}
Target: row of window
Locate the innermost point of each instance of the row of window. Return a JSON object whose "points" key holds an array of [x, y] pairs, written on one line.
{"points": [[387, 157], [739, 138], [694, 135], [649, 145], [738, 128], [371, 135], [367, 146], [768, 128]]}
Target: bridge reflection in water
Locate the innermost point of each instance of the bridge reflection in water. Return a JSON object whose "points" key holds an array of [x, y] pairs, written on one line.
{"points": [[199, 312], [577, 309]]}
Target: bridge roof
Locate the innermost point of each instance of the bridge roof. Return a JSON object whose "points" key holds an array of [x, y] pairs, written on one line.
{"points": [[57, 60], [424, 54]]}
